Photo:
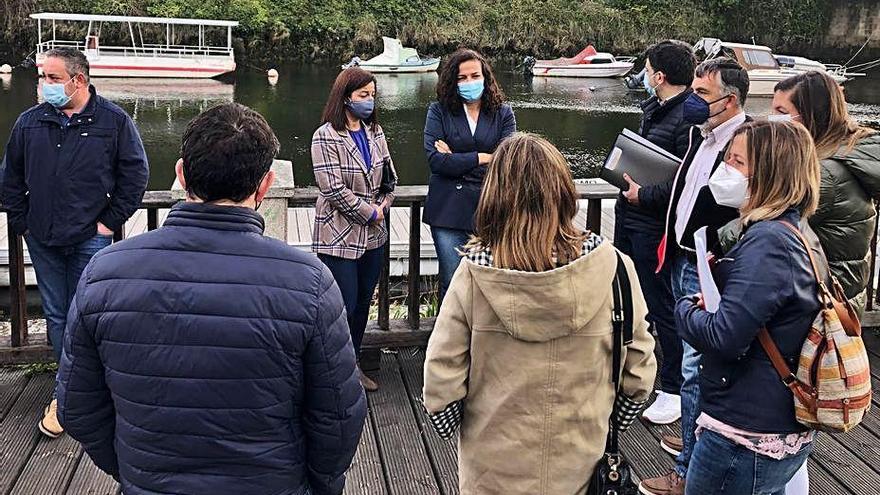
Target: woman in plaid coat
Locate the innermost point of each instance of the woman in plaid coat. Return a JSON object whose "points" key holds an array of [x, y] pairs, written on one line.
{"points": [[356, 177]]}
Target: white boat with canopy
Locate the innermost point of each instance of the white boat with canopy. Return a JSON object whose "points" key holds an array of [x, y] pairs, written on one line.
{"points": [[396, 58], [766, 69], [166, 55]]}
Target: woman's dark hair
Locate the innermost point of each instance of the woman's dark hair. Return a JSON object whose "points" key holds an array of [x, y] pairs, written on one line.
{"points": [[447, 85], [822, 110], [226, 151], [347, 82]]}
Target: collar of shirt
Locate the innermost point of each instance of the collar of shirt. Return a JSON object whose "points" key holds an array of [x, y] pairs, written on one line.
{"points": [[724, 131]]}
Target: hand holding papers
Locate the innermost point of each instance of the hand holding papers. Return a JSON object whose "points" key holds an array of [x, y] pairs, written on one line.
{"points": [[711, 297]]}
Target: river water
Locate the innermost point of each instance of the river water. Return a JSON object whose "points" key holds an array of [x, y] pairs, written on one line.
{"points": [[580, 116]]}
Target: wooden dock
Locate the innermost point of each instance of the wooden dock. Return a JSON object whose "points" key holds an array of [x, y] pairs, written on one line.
{"points": [[399, 453]]}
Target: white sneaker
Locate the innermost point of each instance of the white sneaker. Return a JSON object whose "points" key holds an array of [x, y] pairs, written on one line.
{"points": [[666, 409]]}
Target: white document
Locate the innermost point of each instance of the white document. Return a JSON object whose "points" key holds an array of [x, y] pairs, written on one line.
{"points": [[711, 297]]}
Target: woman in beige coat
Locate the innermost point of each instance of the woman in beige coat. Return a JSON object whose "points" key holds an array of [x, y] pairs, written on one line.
{"points": [[523, 342]]}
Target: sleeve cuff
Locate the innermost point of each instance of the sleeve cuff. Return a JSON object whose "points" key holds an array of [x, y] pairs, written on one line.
{"points": [[110, 222]]}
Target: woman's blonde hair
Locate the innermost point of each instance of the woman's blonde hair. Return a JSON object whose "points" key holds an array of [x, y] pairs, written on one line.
{"points": [[527, 208], [785, 170], [821, 106]]}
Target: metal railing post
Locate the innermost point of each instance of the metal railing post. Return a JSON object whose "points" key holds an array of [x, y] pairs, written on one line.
{"points": [[17, 291]]}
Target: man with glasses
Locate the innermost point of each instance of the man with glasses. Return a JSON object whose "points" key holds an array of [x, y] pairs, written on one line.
{"points": [[74, 171], [720, 89]]}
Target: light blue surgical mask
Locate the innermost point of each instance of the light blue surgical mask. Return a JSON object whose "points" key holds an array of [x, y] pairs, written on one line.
{"points": [[55, 95], [646, 81], [471, 91]]}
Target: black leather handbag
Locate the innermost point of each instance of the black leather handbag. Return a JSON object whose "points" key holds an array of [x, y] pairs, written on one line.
{"points": [[613, 475], [389, 179]]}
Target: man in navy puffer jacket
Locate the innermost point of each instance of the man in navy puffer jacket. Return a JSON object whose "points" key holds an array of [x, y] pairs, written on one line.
{"points": [[205, 358]]}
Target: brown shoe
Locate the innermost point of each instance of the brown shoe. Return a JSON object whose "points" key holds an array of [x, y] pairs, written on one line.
{"points": [[672, 444], [49, 425], [671, 484], [368, 384]]}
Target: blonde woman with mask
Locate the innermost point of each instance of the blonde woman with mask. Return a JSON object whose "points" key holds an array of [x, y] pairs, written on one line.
{"points": [[750, 443], [523, 342]]}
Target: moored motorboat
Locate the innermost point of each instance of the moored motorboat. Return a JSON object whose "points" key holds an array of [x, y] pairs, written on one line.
{"points": [[395, 58], [766, 69], [587, 63]]}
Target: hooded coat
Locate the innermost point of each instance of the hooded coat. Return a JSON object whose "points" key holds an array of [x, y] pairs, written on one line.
{"points": [[529, 355]]}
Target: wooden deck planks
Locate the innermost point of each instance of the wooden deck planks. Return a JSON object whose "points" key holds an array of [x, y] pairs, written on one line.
{"points": [[399, 453], [18, 431], [12, 382], [89, 480], [403, 453], [50, 467], [442, 453], [366, 476]]}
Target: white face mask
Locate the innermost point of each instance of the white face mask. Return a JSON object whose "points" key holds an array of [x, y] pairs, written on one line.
{"points": [[781, 117], [729, 186]]}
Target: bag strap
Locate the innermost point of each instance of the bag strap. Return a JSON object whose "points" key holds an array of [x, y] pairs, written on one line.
{"points": [[800, 235], [622, 326], [836, 300]]}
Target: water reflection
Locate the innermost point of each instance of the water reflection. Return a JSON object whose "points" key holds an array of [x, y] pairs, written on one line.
{"points": [[580, 116]]}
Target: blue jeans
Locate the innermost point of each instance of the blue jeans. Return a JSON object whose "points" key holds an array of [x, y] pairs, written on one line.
{"points": [[446, 243], [58, 269], [719, 466], [685, 283], [357, 281], [641, 246]]}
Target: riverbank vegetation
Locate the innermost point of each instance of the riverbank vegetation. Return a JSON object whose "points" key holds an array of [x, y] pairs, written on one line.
{"points": [[337, 29]]}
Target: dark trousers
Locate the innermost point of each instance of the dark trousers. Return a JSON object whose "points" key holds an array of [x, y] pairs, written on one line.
{"points": [[58, 269], [357, 281], [641, 246]]}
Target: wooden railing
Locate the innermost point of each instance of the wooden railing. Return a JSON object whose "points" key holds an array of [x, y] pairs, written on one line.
{"points": [[385, 332]]}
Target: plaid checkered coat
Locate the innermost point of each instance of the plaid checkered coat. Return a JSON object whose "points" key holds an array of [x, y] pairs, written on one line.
{"points": [[348, 192]]}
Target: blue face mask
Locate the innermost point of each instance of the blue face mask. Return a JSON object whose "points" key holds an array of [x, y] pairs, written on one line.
{"points": [[696, 109], [361, 109], [471, 91], [55, 95], [646, 81]]}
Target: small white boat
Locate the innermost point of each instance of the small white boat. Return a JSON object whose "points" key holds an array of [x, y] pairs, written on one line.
{"points": [[396, 58], [766, 69], [587, 63], [163, 58]]}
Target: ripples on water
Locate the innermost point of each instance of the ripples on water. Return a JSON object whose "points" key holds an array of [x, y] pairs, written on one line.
{"points": [[580, 116]]}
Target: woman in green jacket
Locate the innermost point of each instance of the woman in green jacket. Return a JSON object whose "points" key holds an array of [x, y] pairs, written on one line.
{"points": [[850, 159]]}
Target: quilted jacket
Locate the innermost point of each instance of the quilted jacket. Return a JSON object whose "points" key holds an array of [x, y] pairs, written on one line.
{"points": [[204, 357]]}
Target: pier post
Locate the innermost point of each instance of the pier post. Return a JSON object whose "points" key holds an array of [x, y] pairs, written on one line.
{"points": [[275, 205]]}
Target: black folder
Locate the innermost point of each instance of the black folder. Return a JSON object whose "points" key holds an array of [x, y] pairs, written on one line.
{"points": [[645, 162]]}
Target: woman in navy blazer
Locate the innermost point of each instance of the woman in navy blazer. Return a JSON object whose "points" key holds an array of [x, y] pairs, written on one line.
{"points": [[462, 130]]}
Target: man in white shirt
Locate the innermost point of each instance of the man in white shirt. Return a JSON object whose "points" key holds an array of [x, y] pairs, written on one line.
{"points": [[720, 89]]}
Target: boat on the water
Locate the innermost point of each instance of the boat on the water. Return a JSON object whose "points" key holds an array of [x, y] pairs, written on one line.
{"points": [[766, 69], [395, 58], [160, 58], [587, 63]]}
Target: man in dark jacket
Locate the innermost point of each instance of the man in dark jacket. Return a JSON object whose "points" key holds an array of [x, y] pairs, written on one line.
{"points": [[669, 71], [720, 89], [203, 357], [75, 171]]}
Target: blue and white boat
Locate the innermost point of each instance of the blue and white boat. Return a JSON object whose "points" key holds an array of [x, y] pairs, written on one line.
{"points": [[395, 58]]}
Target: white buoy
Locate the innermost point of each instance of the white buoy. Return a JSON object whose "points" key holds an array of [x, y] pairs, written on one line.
{"points": [[5, 69], [592, 88], [272, 73]]}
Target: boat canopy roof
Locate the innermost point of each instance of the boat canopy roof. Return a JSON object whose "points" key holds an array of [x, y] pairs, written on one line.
{"points": [[54, 16], [394, 53]]}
